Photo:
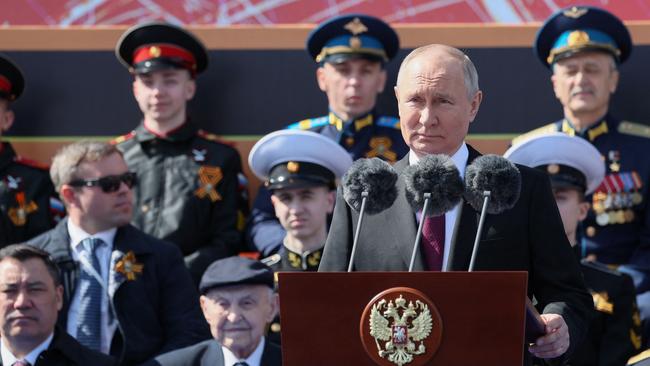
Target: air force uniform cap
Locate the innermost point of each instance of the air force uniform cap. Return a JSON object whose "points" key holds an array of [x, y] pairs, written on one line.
{"points": [[353, 36], [582, 28], [298, 159], [234, 271], [157, 46], [570, 161], [12, 82]]}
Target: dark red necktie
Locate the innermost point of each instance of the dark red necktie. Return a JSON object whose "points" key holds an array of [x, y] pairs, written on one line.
{"points": [[433, 242]]}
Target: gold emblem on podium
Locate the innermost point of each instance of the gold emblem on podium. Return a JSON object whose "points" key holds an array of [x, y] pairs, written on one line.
{"points": [[401, 326]]}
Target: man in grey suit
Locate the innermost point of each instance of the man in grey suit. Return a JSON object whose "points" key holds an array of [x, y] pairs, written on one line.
{"points": [[438, 97]]}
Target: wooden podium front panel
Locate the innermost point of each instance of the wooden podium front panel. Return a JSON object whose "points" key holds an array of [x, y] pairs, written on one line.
{"points": [[482, 314]]}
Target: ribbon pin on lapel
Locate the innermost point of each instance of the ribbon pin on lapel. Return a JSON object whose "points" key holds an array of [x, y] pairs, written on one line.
{"points": [[128, 266], [209, 176]]}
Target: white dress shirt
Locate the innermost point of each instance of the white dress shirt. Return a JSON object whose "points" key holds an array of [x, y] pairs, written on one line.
{"points": [[8, 358], [460, 160], [255, 358], [103, 253]]}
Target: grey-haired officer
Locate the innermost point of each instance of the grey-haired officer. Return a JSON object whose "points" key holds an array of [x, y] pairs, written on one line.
{"points": [[238, 302], [28, 203], [351, 52], [576, 170], [189, 180], [584, 46]]}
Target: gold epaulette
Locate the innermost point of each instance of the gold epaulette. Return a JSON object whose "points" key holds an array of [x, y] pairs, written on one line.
{"points": [[551, 127], [121, 139], [634, 129]]}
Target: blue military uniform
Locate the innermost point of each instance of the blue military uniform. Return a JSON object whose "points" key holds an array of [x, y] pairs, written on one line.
{"points": [[617, 229], [369, 135]]}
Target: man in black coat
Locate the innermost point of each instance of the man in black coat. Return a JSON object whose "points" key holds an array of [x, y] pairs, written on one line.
{"points": [[438, 97], [32, 295], [238, 302], [126, 293]]}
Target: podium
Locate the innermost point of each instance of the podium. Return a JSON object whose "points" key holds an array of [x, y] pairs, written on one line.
{"points": [[482, 317]]}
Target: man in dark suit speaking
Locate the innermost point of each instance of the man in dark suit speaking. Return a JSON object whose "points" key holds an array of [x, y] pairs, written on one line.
{"points": [[438, 97]]}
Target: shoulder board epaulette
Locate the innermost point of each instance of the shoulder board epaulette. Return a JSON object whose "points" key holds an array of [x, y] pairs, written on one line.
{"points": [[634, 129], [391, 122], [551, 127], [308, 123], [31, 163], [271, 260], [121, 139], [600, 267], [212, 137]]}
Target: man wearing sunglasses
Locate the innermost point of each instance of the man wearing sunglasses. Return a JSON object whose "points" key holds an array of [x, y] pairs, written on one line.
{"points": [[126, 293], [28, 203], [190, 193]]}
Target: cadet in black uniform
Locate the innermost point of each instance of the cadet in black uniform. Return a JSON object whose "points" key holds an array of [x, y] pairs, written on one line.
{"points": [[300, 169], [188, 180], [28, 203], [584, 47], [351, 51], [575, 169]]}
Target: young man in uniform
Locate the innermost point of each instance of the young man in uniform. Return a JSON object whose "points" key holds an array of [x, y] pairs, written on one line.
{"points": [[188, 192]]}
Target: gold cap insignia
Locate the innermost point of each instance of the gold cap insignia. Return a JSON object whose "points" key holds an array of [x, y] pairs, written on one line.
{"points": [[553, 169], [154, 51], [293, 167], [402, 325], [575, 12], [578, 38], [356, 27], [355, 43]]}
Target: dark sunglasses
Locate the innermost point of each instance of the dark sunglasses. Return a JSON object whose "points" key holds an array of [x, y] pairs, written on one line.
{"points": [[109, 183]]}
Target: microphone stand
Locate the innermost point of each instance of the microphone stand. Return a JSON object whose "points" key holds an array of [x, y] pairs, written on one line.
{"points": [[364, 198], [479, 232], [418, 236]]}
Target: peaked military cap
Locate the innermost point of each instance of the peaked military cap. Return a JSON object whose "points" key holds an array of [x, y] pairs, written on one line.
{"points": [[297, 159], [233, 271], [156, 46], [582, 28], [351, 36], [569, 161], [12, 82]]}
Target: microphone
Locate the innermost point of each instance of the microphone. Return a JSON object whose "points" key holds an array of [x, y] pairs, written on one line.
{"points": [[368, 187], [492, 185], [433, 186]]}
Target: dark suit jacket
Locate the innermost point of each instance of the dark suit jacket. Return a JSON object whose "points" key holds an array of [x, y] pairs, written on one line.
{"points": [[529, 237], [66, 351], [208, 353], [157, 312]]}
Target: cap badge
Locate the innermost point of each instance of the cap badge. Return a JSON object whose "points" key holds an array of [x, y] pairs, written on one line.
{"points": [[154, 51], [356, 27], [293, 167], [553, 169], [578, 38], [575, 12], [355, 43]]}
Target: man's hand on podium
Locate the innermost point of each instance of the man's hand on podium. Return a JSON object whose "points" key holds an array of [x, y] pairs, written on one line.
{"points": [[555, 342]]}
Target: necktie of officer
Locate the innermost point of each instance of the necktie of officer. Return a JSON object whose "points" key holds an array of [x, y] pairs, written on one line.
{"points": [[90, 290], [433, 242]]}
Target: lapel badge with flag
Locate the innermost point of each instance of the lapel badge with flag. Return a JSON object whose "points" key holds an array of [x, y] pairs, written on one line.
{"points": [[128, 266]]}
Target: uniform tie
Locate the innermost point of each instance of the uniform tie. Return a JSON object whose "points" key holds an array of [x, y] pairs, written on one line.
{"points": [[90, 290], [433, 242]]}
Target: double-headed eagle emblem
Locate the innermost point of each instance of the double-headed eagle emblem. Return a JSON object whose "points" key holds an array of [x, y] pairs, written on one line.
{"points": [[410, 324]]}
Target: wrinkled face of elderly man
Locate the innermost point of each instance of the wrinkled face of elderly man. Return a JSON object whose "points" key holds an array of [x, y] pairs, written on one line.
{"points": [[435, 103]]}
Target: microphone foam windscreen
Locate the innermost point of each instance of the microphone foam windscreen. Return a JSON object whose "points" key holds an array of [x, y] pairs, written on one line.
{"points": [[438, 175], [374, 176], [495, 174]]}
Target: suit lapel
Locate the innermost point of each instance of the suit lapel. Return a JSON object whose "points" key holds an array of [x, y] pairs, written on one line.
{"points": [[410, 226]]}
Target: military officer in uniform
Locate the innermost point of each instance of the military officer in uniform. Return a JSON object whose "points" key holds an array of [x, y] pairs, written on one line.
{"points": [[584, 46], [351, 52], [575, 169], [28, 202], [188, 180]]}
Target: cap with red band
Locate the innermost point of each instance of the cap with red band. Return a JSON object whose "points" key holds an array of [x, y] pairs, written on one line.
{"points": [[157, 46], [11, 79]]}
